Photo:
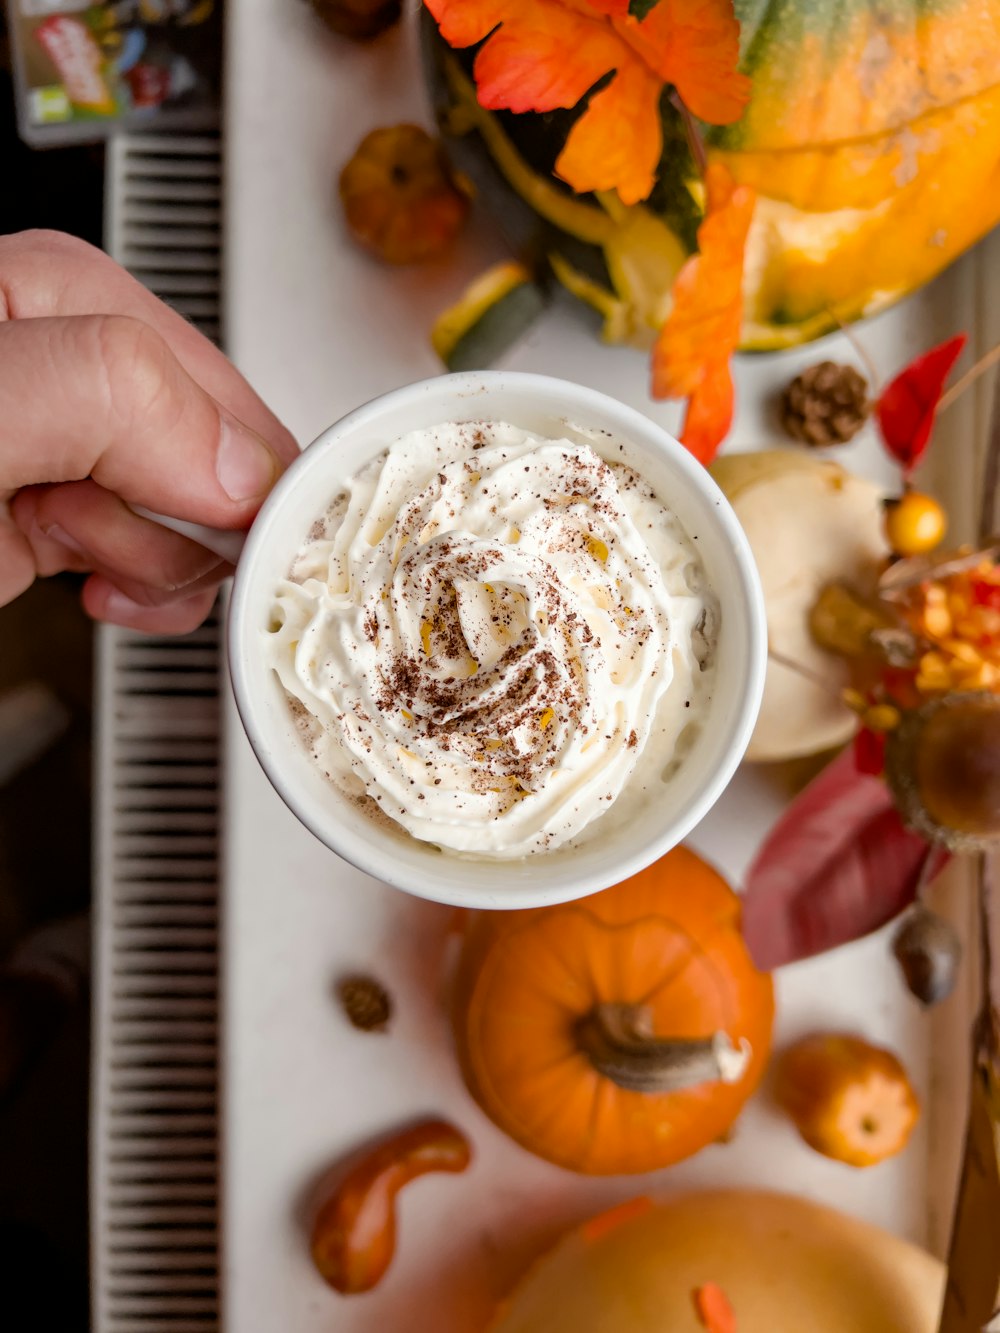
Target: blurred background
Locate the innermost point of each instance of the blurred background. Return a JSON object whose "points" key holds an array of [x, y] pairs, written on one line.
{"points": [[45, 755]]}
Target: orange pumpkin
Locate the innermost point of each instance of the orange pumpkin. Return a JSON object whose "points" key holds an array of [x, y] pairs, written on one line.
{"points": [[619, 1033], [401, 200]]}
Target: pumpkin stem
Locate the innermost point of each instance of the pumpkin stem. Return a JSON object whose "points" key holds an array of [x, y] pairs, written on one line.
{"points": [[617, 1040]]}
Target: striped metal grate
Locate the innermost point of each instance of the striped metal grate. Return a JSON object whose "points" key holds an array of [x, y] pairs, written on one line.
{"points": [[163, 219], [154, 1158]]}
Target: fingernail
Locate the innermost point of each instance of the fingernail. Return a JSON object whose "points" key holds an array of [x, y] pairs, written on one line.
{"points": [[244, 464], [119, 607], [57, 534]]}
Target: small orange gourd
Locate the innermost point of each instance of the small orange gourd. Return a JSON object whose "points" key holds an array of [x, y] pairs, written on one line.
{"points": [[401, 200], [619, 1033], [849, 1100]]}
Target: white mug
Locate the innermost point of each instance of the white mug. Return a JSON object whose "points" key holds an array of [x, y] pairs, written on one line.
{"points": [[543, 406]]}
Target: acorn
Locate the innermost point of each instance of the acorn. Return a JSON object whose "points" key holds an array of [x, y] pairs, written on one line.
{"points": [[942, 764], [928, 951]]}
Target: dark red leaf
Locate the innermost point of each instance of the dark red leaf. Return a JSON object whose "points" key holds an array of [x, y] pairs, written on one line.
{"points": [[906, 406], [836, 866], [869, 751]]}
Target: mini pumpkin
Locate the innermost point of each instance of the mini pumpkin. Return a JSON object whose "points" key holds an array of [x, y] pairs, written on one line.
{"points": [[849, 1100], [620, 1033], [401, 200]]}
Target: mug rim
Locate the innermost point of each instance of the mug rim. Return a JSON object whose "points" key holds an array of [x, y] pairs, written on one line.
{"points": [[374, 856]]}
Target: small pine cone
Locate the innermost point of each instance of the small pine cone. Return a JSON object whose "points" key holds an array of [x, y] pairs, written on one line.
{"points": [[826, 404]]}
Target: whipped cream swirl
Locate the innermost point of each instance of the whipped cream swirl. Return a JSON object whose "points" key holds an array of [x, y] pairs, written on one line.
{"points": [[477, 636]]}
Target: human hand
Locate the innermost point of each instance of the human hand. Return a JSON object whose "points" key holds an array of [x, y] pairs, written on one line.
{"points": [[109, 398]]}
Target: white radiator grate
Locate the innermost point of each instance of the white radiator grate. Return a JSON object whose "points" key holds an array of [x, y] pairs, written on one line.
{"points": [[163, 219], [155, 1152], [154, 1158]]}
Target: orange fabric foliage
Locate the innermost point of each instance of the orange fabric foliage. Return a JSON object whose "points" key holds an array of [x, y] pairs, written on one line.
{"points": [[545, 54], [691, 356]]}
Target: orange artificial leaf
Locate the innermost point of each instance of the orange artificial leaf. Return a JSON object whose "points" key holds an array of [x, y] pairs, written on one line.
{"points": [[617, 143], [694, 45], [539, 55], [713, 1309], [709, 412], [604, 1223], [691, 356]]}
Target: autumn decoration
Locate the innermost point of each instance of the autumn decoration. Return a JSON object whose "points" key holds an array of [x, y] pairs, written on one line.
{"points": [[594, 128], [692, 351], [617, 1034], [812, 525], [633, 80], [917, 637], [929, 951], [401, 199], [849, 1100], [545, 55], [354, 1232]]}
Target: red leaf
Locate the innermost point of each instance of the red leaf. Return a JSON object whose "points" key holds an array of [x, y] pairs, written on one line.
{"points": [[869, 751], [836, 866], [907, 405]]}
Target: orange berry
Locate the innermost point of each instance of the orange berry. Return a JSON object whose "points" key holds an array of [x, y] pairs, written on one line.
{"points": [[937, 622], [914, 524], [881, 717]]}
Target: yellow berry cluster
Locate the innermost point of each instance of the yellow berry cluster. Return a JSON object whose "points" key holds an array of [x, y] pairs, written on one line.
{"points": [[958, 618]]}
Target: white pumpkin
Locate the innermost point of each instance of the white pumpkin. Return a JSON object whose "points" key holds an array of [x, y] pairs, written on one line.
{"points": [[809, 523], [785, 1265]]}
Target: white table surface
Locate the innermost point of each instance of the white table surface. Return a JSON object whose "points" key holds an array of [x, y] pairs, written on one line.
{"points": [[319, 328]]}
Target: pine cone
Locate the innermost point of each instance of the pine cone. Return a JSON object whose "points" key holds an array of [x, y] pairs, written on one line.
{"points": [[366, 1003], [826, 404]]}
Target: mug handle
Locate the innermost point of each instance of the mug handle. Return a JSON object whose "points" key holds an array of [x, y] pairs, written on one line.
{"points": [[226, 545]]}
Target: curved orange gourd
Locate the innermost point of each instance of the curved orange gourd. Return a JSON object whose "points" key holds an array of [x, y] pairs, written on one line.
{"points": [[665, 944]]}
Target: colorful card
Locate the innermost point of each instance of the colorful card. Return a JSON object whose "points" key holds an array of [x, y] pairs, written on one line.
{"points": [[83, 68]]}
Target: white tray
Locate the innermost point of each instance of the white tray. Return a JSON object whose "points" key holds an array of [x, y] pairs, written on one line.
{"points": [[319, 329]]}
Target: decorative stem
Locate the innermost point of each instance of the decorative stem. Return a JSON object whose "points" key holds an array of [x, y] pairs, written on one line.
{"points": [[617, 1040], [806, 673], [984, 907], [970, 376], [991, 469], [694, 139], [972, 1291], [928, 869], [907, 573], [862, 351]]}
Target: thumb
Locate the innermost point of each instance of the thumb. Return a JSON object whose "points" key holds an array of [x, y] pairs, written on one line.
{"points": [[103, 396]]}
